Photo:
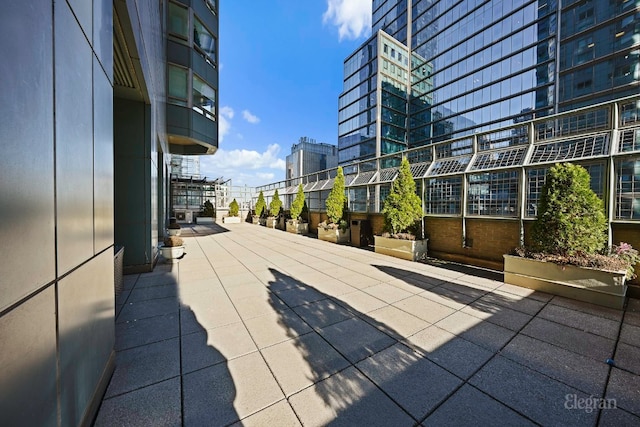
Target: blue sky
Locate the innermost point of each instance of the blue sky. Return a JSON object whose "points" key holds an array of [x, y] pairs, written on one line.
{"points": [[280, 77]]}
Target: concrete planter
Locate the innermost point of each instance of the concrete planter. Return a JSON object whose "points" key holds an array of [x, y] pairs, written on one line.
{"points": [[174, 231], [171, 253], [231, 219], [204, 220], [296, 227], [272, 222], [255, 219], [600, 287], [334, 235], [412, 250]]}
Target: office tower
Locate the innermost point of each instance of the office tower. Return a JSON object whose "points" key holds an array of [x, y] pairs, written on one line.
{"points": [[472, 66], [308, 156]]}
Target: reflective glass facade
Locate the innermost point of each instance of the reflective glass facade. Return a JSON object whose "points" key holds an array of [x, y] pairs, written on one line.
{"points": [[481, 65]]}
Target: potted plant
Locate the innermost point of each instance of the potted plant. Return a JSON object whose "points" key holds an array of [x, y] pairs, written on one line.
{"points": [[206, 214], [336, 228], [274, 210], [233, 217], [174, 229], [296, 223], [259, 209], [402, 210], [568, 255], [173, 249]]}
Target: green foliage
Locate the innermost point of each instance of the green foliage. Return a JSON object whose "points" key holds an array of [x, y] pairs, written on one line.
{"points": [[207, 209], [234, 208], [571, 217], [275, 205], [261, 205], [336, 199], [402, 207], [298, 203]]}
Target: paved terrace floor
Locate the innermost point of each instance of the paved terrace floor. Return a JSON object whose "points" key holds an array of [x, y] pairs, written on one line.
{"points": [[260, 327]]}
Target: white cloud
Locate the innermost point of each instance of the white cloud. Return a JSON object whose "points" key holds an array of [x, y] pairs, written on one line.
{"points": [[242, 159], [266, 177], [224, 122], [250, 117], [352, 17]]}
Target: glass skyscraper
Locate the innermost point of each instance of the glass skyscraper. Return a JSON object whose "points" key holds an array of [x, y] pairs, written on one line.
{"points": [[473, 66]]}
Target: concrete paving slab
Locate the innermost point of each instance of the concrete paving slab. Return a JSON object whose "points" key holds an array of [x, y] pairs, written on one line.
{"points": [[158, 405], [590, 345], [591, 323], [276, 327], [617, 417], [521, 303], [142, 366], [587, 308], [401, 322], [303, 361], [257, 306], [580, 372], [207, 315], [501, 316], [447, 297], [347, 399], [356, 339], [425, 309], [536, 396], [279, 414], [630, 334], [471, 407], [524, 292], [484, 334], [143, 309], [149, 280], [387, 293], [359, 301], [227, 392], [628, 358], [412, 381], [298, 296], [208, 347], [153, 292], [632, 314], [135, 333], [624, 387], [323, 313]]}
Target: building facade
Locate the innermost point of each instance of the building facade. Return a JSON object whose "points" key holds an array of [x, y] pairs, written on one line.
{"points": [[308, 156], [84, 170], [472, 66], [484, 98]]}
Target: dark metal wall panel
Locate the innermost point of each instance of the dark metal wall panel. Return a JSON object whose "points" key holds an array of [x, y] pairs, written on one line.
{"points": [[28, 360], [74, 141], [87, 335], [102, 159], [26, 138]]}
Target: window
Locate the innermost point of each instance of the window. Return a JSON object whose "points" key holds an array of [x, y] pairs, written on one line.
{"points": [[204, 98], [178, 87], [628, 189], [204, 40], [493, 194], [178, 21], [444, 195]]}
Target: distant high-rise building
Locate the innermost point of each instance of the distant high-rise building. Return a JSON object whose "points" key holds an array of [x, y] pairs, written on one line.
{"points": [[308, 156], [473, 66]]}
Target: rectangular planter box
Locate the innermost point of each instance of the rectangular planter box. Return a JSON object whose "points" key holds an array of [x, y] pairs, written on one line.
{"points": [[334, 235], [297, 227], [255, 219], [412, 250], [607, 288], [204, 220], [272, 222], [231, 219]]}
